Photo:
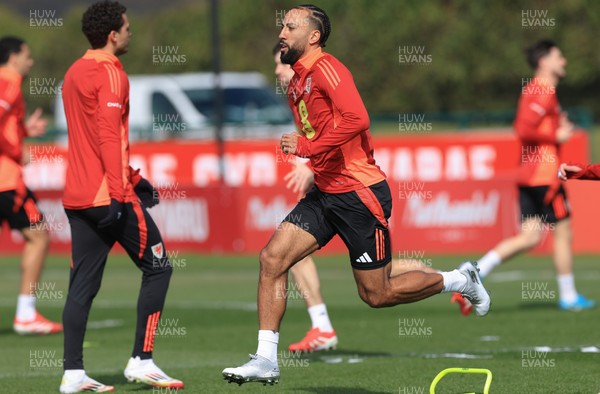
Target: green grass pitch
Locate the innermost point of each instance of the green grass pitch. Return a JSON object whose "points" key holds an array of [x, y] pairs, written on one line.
{"points": [[210, 323]]}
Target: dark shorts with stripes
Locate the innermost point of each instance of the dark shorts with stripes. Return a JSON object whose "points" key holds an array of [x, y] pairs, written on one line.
{"points": [[531, 199], [359, 217], [19, 209]]}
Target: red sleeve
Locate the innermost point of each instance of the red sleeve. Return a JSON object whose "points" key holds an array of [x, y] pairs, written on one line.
{"points": [[589, 172], [9, 149], [110, 102], [530, 116], [8, 99], [346, 100]]}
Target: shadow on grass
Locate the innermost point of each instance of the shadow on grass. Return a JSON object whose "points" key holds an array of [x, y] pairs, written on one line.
{"points": [[343, 355], [523, 307], [538, 306], [117, 379], [7, 331], [339, 390]]}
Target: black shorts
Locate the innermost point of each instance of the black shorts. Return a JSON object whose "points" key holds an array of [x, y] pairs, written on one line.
{"points": [[19, 209], [531, 199], [359, 217]]}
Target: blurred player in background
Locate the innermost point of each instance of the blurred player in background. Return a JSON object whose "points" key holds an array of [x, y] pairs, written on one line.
{"points": [[17, 203], [300, 179], [350, 198], [541, 128], [106, 200]]}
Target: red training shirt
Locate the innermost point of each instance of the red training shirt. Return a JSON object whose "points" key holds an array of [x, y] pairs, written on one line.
{"points": [[536, 122], [96, 100], [12, 129], [333, 123]]}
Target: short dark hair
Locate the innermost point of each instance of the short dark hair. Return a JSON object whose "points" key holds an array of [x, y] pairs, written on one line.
{"points": [[538, 50], [100, 19], [319, 20], [8, 46]]}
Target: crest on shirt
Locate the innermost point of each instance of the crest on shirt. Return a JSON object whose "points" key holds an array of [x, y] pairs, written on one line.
{"points": [[308, 84], [157, 250]]}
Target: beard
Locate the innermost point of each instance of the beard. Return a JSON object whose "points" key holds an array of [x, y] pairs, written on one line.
{"points": [[291, 56], [122, 50]]}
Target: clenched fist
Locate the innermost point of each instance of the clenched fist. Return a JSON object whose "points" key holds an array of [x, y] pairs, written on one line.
{"points": [[288, 143]]}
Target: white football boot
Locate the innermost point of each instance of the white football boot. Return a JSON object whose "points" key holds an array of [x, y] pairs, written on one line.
{"points": [[145, 371], [474, 291], [83, 383], [258, 369]]}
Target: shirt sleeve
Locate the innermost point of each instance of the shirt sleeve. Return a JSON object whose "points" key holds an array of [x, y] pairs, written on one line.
{"points": [[340, 88], [589, 172], [9, 95], [110, 105], [8, 98], [11, 150], [531, 115]]}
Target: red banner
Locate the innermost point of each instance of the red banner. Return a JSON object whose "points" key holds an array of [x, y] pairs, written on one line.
{"points": [[452, 192]]}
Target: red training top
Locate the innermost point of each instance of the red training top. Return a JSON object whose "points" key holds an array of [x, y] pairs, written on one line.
{"points": [[96, 100], [12, 130], [536, 122], [334, 125]]}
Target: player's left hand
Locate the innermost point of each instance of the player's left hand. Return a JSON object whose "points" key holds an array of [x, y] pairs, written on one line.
{"points": [[147, 193], [288, 143], [564, 168], [35, 125], [300, 179]]}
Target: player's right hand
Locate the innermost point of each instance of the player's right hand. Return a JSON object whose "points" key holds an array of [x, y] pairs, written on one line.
{"points": [[288, 143], [115, 211], [564, 168]]}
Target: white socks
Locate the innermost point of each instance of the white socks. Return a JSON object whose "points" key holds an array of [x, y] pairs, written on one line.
{"points": [[566, 288], [453, 281], [267, 344], [320, 318], [74, 374], [488, 262], [139, 363], [25, 307]]}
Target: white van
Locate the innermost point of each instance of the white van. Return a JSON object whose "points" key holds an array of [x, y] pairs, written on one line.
{"points": [[182, 106]]}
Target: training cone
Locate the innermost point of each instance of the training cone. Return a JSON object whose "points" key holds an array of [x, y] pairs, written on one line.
{"points": [[439, 376]]}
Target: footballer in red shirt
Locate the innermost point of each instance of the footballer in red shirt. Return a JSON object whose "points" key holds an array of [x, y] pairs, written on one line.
{"points": [[350, 197], [106, 201], [18, 206], [542, 128]]}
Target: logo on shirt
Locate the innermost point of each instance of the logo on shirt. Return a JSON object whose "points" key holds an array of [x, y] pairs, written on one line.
{"points": [[157, 250], [113, 105], [308, 84]]}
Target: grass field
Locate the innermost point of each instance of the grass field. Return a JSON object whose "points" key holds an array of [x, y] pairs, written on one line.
{"points": [[210, 323]]}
